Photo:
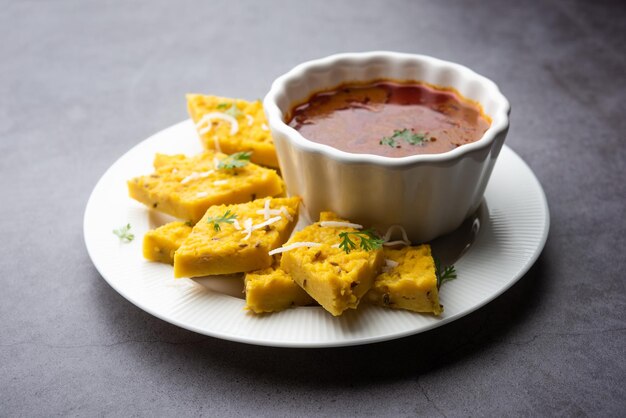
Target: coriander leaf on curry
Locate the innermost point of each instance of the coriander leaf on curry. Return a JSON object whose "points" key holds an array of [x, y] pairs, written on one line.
{"points": [[390, 118]]}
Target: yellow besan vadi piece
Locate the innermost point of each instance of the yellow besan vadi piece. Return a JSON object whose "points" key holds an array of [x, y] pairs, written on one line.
{"points": [[236, 238], [408, 281], [233, 125], [335, 279], [273, 290], [160, 244], [185, 187]]}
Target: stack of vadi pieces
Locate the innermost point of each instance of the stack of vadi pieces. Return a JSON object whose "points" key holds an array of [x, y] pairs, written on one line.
{"points": [[234, 218]]}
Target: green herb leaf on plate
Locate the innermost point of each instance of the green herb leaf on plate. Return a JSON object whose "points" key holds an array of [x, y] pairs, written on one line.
{"points": [[446, 274], [124, 234]]}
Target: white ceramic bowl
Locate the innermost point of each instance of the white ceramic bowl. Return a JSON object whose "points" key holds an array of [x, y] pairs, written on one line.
{"points": [[429, 195]]}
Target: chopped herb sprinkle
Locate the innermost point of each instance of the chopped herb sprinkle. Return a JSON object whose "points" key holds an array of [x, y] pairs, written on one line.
{"points": [[228, 218], [446, 274], [410, 137], [124, 233], [236, 160], [368, 240]]}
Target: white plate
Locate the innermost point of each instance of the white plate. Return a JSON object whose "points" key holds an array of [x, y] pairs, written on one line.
{"points": [[511, 237]]}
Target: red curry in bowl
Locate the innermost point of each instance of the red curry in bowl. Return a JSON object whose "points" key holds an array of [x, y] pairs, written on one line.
{"points": [[390, 118]]}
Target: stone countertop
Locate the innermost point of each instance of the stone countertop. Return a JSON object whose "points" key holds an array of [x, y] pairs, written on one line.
{"points": [[83, 82]]}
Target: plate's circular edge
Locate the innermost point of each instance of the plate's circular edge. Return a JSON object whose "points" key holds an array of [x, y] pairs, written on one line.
{"points": [[326, 344]]}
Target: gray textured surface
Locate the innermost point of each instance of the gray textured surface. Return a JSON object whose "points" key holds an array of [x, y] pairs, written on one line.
{"points": [[83, 82]]}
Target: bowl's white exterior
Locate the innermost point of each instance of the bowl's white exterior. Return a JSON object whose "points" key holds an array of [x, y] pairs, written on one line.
{"points": [[429, 195]]}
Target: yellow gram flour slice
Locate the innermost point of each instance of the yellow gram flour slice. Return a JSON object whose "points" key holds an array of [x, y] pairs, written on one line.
{"points": [[408, 281], [273, 290], [236, 238], [336, 280], [185, 187], [160, 244], [233, 125]]}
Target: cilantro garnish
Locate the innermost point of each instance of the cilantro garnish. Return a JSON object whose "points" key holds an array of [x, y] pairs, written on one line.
{"points": [[388, 141], [236, 160], [233, 111], [413, 138], [406, 135], [227, 218], [447, 274], [124, 233], [230, 109], [368, 240]]}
